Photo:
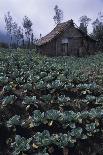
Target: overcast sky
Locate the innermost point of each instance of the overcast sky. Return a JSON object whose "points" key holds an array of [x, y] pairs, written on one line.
{"points": [[41, 12]]}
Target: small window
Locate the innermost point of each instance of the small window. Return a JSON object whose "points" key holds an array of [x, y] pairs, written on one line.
{"points": [[64, 40]]}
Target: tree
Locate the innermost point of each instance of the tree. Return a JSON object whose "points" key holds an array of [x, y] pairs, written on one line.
{"points": [[27, 24], [14, 28], [84, 21], [58, 15], [98, 30], [23, 42], [100, 14], [9, 21], [32, 40], [17, 34]]}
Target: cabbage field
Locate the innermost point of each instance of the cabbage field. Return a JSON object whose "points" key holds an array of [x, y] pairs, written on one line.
{"points": [[50, 106]]}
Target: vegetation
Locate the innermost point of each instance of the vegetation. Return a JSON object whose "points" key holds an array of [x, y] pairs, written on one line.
{"points": [[84, 20], [98, 30], [58, 15], [19, 36], [8, 22], [23, 37], [50, 104], [97, 25], [3, 45], [27, 24]]}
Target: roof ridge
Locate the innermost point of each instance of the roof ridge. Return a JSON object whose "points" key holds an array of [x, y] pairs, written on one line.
{"points": [[58, 29]]}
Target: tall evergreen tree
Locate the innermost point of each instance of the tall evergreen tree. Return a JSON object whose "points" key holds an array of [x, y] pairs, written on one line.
{"points": [[9, 27], [32, 40], [27, 24], [98, 30], [58, 15], [84, 21]]}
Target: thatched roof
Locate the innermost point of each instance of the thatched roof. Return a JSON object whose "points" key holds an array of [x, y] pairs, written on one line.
{"points": [[57, 31]]}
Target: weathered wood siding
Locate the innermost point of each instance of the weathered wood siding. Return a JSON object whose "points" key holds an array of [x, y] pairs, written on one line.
{"points": [[77, 45], [48, 49]]}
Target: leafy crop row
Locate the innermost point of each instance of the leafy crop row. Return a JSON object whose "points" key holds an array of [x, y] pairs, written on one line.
{"points": [[49, 101]]}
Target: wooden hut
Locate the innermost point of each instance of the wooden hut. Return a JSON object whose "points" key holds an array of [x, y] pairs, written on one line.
{"points": [[66, 39]]}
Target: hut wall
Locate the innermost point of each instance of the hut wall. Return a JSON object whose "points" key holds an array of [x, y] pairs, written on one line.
{"points": [[48, 49], [92, 47], [71, 42], [77, 44]]}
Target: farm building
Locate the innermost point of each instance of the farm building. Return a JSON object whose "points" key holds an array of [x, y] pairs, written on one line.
{"points": [[66, 39]]}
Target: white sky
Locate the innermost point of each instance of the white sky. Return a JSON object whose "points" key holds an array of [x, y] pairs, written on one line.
{"points": [[41, 12]]}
